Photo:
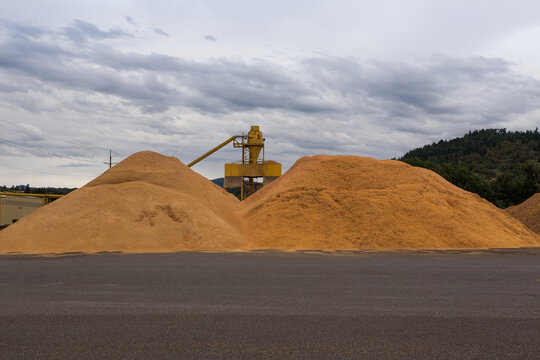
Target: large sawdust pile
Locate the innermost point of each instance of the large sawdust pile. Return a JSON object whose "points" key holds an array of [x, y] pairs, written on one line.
{"points": [[147, 203], [528, 212], [350, 202], [153, 203]]}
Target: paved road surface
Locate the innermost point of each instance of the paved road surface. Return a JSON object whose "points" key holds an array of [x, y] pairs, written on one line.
{"points": [[271, 306]]}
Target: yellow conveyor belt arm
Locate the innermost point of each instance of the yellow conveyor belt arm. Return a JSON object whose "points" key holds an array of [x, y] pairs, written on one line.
{"points": [[51, 196], [213, 150]]}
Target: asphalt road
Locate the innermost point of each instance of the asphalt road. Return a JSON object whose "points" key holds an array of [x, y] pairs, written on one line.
{"points": [[271, 306]]}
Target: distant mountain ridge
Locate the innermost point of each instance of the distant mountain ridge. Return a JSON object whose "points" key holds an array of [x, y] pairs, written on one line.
{"points": [[499, 165], [219, 181]]}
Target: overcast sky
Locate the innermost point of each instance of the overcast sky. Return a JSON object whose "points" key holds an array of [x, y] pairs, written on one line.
{"points": [[368, 78]]}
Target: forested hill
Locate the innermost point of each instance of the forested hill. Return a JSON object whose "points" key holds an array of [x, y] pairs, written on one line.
{"points": [[501, 166]]}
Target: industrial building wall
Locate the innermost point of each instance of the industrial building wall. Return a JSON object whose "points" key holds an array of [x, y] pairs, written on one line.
{"points": [[13, 208]]}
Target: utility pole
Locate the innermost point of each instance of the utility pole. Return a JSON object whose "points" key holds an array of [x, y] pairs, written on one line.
{"points": [[110, 163]]}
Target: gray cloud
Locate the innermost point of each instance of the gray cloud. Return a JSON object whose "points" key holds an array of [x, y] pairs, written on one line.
{"points": [[217, 86], [155, 82], [80, 31], [160, 32], [20, 30], [129, 20], [73, 78], [210, 38]]}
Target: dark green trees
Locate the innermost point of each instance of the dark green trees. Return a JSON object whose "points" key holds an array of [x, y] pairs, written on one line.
{"points": [[499, 165]]}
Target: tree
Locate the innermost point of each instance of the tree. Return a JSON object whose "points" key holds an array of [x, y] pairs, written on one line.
{"points": [[499, 165]]}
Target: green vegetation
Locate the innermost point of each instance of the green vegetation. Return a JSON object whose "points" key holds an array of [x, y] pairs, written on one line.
{"points": [[500, 166]]}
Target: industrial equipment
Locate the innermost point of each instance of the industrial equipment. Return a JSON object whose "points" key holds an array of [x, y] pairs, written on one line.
{"points": [[14, 206], [252, 166]]}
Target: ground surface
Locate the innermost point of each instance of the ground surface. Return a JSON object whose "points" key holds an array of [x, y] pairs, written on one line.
{"points": [[271, 305]]}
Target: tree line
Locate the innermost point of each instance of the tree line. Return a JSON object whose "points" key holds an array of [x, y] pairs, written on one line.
{"points": [[36, 190], [499, 165]]}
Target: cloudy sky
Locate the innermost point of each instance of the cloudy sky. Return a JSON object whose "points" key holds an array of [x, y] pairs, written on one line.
{"points": [[368, 78]]}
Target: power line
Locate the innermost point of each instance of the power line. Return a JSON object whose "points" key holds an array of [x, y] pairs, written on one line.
{"points": [[10, 165], [92, 147], [43, 152], [46, 153]]}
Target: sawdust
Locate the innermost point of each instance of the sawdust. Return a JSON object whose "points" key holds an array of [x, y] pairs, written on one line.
{"points": [[147, 203], [350, 202], [528, 212], [153, 203]]}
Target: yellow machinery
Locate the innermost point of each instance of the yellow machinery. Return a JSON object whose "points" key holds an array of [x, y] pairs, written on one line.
{"points": [[45, 198], [252, 165], [14, 206]]}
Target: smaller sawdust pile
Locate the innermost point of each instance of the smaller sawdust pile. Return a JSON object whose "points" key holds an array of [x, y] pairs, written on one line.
{"points": [[528, 212], [146, 203], [350, 202]]}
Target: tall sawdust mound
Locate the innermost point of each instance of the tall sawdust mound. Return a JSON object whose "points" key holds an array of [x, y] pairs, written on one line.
{"points": [[153, 203], [350, 202], [528, 212], [146, 203]]}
